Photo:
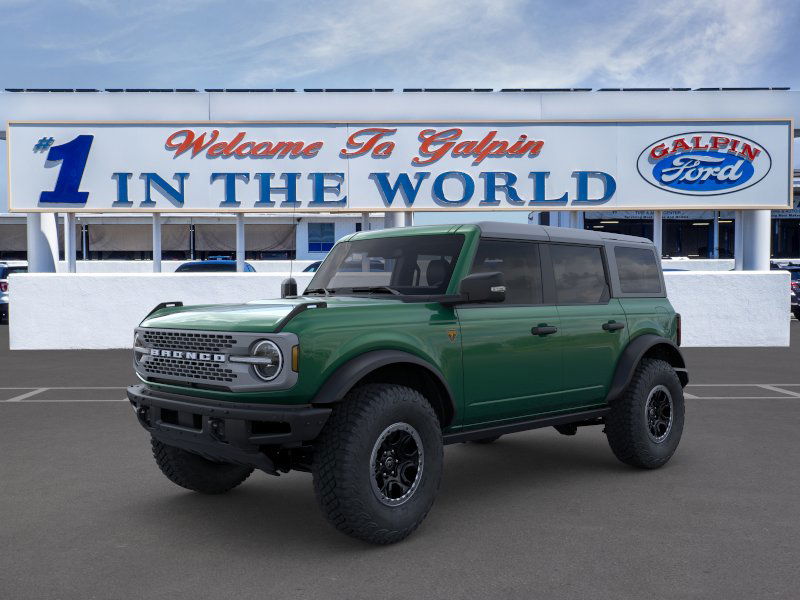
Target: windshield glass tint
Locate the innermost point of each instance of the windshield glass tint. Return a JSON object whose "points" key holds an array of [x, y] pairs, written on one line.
{"points": [[416, 265]]}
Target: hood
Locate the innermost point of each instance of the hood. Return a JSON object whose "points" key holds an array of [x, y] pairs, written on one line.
{"points": [[259, 316]]}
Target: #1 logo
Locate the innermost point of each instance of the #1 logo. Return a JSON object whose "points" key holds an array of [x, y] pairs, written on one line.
{"points": [[704, 163]]}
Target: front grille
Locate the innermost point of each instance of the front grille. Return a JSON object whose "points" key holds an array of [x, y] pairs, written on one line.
{"points": [[192, 369], [185, 340]]}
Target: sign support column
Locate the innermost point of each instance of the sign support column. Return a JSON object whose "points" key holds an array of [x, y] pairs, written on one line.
{"points": [[756, 240], [658, 231], [738, 240], [239, 242], [156, 242], [69, 241], [42, 238]]}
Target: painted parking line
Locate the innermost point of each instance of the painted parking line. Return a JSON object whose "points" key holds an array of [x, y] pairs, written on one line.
{"points": [[63, 394], [20, 397], [66, 394]]}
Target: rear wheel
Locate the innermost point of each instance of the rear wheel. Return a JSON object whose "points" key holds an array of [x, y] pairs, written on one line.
{"points": [[378, 463], [645, 425], [196, 473]]}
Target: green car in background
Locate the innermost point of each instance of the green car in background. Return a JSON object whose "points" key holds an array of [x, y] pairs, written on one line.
{"points": [[407, 340]]}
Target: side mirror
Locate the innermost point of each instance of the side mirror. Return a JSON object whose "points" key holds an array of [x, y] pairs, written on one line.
{"points": [[288, 287], [483, 287]]}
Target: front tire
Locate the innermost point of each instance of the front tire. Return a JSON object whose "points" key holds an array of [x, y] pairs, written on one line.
{"points": [[378, 463], [195, 473], [645, 425]]}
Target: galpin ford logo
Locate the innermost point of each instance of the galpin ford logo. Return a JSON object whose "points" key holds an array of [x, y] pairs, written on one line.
{"points": [[704, 163]]}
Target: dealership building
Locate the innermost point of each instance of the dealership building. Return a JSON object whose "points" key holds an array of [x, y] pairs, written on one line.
{"points": [[121, 237], [108, 191]]}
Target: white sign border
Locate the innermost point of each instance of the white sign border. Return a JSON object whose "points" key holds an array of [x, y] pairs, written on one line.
{"points": [[568, 208]]}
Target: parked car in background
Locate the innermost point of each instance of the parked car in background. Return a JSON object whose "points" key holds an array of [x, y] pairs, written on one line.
{"points": [[212, 265], [795, 286], [6, 269], [312, 268]]}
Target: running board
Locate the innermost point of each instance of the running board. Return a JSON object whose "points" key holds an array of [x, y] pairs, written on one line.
{"points": [[582, 417]]}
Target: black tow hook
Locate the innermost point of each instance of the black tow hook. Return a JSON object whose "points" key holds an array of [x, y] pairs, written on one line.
{"points": [[216, 428], [143, 414]]}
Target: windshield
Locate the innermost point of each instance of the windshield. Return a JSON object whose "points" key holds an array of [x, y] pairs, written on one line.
{"points": [[407, 265]]}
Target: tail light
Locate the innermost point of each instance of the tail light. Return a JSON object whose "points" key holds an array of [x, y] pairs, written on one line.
{"points": [[678, 328], [795, 286], [3, 286]]}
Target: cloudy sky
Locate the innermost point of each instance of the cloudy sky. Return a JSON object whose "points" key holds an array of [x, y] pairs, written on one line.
{"points": [[403, 43]]}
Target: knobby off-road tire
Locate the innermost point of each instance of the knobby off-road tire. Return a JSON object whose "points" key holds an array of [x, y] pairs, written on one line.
{"points": [[375, 427], [646, 423], [195, 473]]}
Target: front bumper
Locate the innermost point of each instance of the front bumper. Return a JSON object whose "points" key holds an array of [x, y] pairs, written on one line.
{"points": [[225, 431]]}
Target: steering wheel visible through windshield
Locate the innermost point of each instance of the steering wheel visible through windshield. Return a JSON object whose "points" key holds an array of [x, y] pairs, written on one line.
{"points": [[404, 265]]}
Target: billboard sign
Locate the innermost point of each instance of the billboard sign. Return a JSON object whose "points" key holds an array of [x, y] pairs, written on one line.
{"points": [[284, 167]]}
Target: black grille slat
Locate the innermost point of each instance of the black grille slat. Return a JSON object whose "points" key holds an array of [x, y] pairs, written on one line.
{"points": [[193, 342], [188, 369]]}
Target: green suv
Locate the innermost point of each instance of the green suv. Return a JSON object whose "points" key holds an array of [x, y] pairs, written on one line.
{"points": [[407, 340]]}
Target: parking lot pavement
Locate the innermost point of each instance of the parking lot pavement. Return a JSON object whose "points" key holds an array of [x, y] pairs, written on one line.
{"points": [[84, 512]]}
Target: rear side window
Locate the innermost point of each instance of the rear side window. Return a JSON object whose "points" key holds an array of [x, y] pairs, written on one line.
{"points": [[519, 264], [638, 271], [579, 274]]}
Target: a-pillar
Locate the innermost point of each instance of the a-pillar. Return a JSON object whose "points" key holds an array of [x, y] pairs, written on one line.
{"points": [[756, 239], [42, 234]]}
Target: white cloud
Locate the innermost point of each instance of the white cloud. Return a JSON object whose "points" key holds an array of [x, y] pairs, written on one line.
{"points": [[446, 43]]}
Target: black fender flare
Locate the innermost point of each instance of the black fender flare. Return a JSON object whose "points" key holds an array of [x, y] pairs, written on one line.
{"points": [[348, 374], [633, 354]]}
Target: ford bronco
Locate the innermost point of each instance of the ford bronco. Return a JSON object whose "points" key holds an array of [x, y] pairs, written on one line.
{"points": [[404, 341]]}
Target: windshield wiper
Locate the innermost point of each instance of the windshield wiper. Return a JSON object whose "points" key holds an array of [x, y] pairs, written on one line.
{"points": [[376, 289], [324, 291]]}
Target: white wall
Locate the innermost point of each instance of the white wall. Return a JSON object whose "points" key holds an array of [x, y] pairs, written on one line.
{"points": [[80, 311], [731, 308], [54, 311], [169, 266]]}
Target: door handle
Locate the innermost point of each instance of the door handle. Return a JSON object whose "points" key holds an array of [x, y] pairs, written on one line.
{"points": [[543, 330], [613, 326]]}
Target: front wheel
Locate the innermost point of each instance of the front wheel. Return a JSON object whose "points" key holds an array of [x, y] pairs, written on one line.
{"points": [[378, 463], [646, 423]]}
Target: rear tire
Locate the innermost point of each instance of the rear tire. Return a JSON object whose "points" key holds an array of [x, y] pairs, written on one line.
{"points": [[645, 425], [196, 473], [378, 463], [796, 313]]}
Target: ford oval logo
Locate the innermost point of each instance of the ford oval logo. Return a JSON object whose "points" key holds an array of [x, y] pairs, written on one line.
{"points": [[704, 163]]}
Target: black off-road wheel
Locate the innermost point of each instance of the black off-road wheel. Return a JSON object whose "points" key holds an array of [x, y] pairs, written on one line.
{"points": [[196, 473], [378, 463], [646, 423]]}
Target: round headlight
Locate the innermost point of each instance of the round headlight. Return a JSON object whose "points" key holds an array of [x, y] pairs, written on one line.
{"points": [[271, 366], [138, 342]]}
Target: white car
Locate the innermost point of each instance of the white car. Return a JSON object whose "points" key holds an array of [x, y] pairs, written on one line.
{"points": [[6, 269]]}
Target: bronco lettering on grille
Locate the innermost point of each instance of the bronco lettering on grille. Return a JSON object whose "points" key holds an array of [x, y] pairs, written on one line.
{"points": [[204, 356]]}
